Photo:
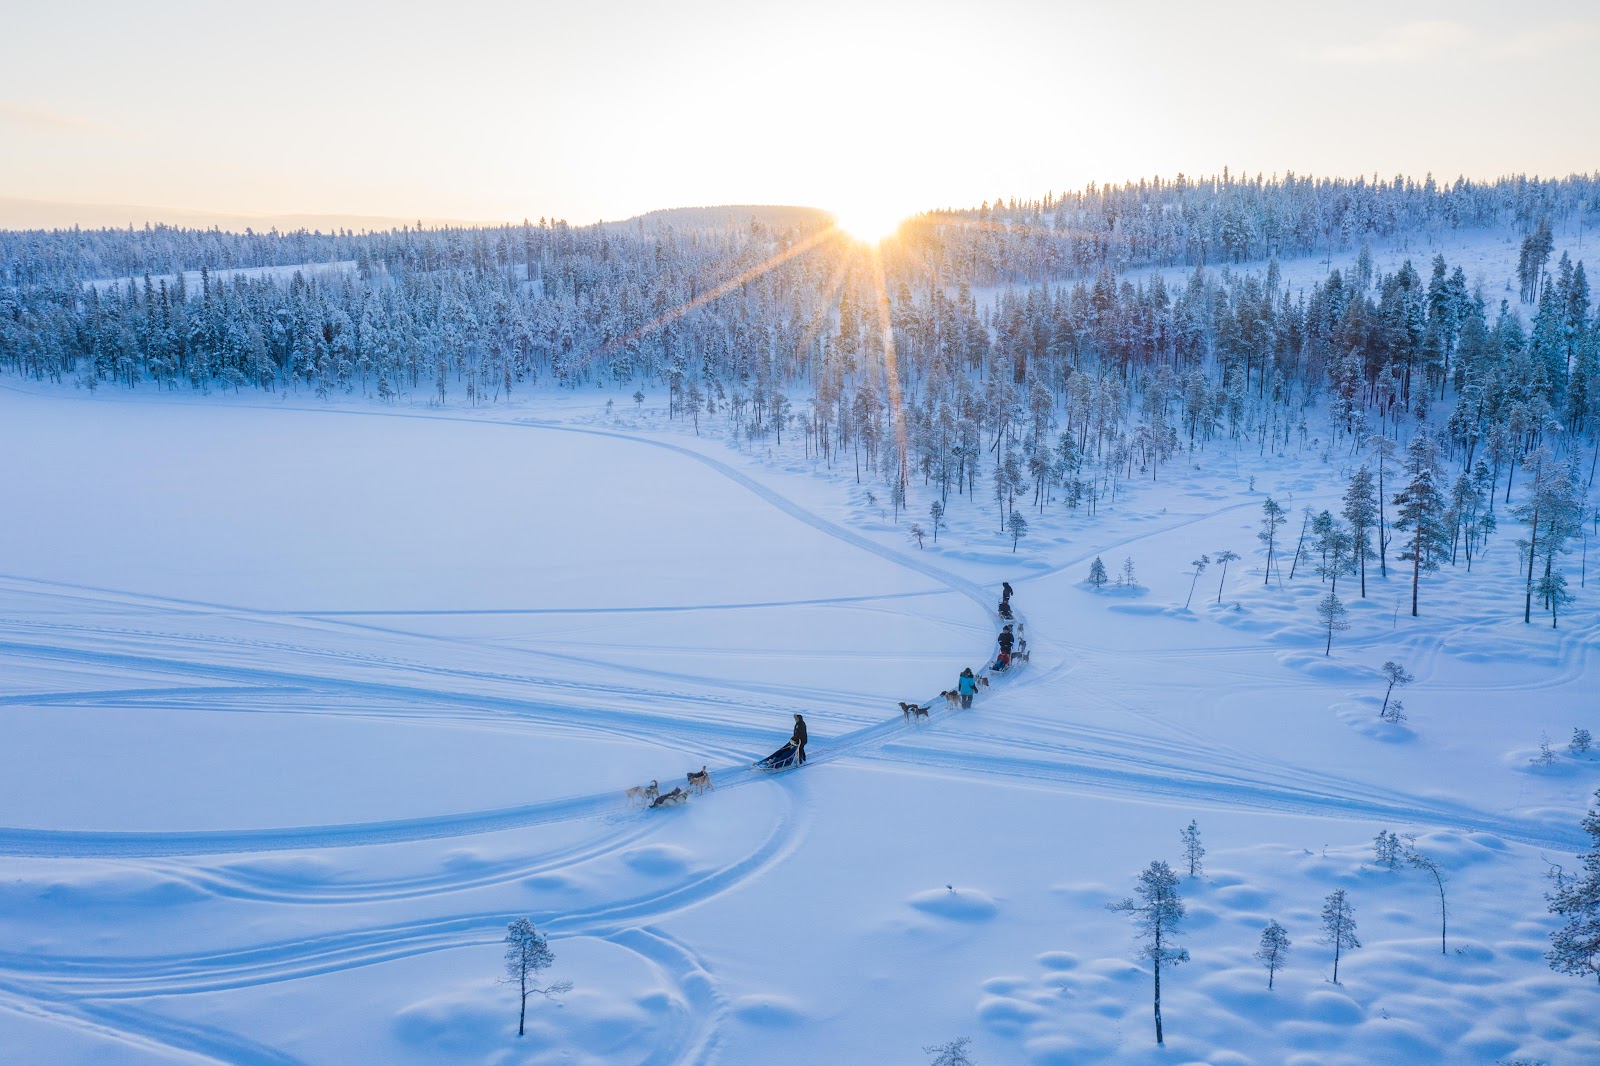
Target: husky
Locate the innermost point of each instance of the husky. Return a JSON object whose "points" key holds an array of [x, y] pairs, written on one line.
{"points": [[911, 711], [676, 798]]}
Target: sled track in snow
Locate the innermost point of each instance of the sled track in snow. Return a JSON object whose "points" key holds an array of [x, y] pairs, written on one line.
{"points": [[97, 993]]}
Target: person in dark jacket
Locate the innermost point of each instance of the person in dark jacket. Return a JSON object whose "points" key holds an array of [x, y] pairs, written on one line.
{"points": [[799, 739], [966, 687], [1005, 592], [1007, 638]]}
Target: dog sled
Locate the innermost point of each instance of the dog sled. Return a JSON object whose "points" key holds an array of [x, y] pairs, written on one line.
{"points": [[782, 759]]}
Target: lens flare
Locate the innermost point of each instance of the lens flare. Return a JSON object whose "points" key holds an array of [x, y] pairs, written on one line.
{"points": [[868, 223]]}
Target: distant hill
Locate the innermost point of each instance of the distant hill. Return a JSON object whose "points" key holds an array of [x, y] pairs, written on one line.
{"points": [[725, 216]]}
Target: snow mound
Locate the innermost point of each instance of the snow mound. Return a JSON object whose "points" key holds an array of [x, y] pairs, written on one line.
{"points": [[956, 905], [1323, 667], [768, 1011], [1362, 716]]}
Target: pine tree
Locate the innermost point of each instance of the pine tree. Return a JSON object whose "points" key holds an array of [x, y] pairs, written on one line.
{"points": [[1199, 565], [936, 518], [1333, 614], [1224, 557], [528, 954], [1422, 511], [1575, 947], [1193, 850], [1097, 573], [1386, 849], [1157, 915], [1580, 742], [1361, 511], [1339, 927], [1274, 949], [1272, 516], [1395, 674]]}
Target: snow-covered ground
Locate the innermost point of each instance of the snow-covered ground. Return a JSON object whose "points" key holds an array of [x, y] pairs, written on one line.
{"points": [[300, 705]]}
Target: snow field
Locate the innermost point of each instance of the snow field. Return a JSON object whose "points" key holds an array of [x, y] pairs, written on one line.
{"points": [[202, 890]]}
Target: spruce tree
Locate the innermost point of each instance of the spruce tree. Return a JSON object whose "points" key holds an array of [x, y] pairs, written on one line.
{"points": [[1339, 927], [1017, 526], [1575, 947], [1422, 512], [1361, 511], [1331, 610], [1273, 950], [1193, 850]]}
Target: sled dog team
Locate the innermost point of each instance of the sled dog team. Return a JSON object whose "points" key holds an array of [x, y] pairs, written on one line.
{"points": [[651, 795], [1013, 649]]}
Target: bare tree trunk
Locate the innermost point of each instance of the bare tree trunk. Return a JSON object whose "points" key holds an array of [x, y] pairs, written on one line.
{"points": [[1158, 1002], [1416, 566]]}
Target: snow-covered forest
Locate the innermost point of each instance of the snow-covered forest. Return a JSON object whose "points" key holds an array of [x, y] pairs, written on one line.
{"points": [[1295, 479]]}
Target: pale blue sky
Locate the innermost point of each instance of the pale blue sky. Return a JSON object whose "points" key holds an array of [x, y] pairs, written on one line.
{"points": [[482, 110]]}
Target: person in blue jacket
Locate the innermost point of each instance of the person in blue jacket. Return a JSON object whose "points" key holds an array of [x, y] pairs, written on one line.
{"points": [[966, 687]]}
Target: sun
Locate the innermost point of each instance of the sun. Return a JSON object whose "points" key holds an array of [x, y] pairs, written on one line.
{"points": [[868, 223]]}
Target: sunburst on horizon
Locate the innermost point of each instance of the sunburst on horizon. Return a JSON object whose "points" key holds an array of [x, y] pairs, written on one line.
{"points": [[869, 223]]}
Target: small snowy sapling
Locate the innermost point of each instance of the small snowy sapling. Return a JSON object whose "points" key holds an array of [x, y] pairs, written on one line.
{"points": [[1126, 579], [1339, 927], [1274, 949], [1580, 742], [1193, 850], [1157, 916], [1097, 573], [1332, 612], [528, 954], [1546, 757], [1386, 849], [917, 533], [936, 518]]}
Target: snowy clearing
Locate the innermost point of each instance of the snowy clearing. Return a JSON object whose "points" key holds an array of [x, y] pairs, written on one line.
{"points": [[301, 707]]}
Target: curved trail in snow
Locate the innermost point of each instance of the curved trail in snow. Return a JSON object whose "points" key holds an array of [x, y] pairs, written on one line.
{"points": [[98, 992]]}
